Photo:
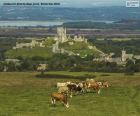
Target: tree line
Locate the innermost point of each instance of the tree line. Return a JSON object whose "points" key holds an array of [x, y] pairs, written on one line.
{"points": [[63, 62]]}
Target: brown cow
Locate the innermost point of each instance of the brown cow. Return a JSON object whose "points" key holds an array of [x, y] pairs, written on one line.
{"points": [[92, 84], [65, 90], [55, 96]]}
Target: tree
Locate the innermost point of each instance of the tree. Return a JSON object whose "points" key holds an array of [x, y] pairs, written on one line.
{"points": [[2, 57], [1, 66], [42, 68], [27, 65], [130, 67], [137, 65], [11, 66]]}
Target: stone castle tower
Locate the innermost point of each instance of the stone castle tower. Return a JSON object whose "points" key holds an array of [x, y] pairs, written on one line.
{"points": [[123, 55], [62, 35], [126, 56]]}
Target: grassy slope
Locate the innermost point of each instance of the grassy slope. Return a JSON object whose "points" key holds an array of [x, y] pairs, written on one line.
{"points": [[25, 52], [81, 48], [22, 94], [78, 47], [37, 51]]}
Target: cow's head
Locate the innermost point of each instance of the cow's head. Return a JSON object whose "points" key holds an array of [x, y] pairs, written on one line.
{"points": [[105, 84], [81, 85]]}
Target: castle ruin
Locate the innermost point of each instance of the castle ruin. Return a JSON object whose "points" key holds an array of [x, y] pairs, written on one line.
{"points": [[62, 35]]}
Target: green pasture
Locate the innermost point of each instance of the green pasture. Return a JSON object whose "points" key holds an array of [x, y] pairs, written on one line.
{"points": [[25, 94]]}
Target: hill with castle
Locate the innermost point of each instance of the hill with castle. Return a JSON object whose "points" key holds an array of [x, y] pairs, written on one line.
{"points": [[46, 47]]}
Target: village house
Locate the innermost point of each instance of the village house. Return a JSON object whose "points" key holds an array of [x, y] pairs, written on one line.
{"points": [[119, 60]]}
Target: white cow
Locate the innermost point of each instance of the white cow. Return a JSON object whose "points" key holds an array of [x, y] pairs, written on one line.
{"points": [[62, 84]]}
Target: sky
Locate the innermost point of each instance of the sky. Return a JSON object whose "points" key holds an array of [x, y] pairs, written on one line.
{"points": [[77, 3]]}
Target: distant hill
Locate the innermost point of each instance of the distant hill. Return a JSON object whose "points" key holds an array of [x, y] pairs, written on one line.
{"points": [[122, 24], [79, 48], [114, 13], [130, 21]]}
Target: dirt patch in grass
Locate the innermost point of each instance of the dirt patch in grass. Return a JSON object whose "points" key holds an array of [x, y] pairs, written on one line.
{"points": [[59, 76]]}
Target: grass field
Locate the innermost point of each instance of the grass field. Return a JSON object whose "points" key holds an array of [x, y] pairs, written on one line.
{"points": [[23, 94], [26, 52]]}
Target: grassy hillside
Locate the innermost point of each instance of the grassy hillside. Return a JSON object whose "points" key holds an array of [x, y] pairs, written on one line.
{"points": [[80, 48], [37, 51], [23, 94], [26, 52]]}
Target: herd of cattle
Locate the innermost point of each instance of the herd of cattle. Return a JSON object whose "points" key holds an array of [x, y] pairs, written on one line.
{"points": [[68, 88]]}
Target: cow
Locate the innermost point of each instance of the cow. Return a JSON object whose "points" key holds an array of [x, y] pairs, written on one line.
{"points": [[62, 84], [92, 84], [75, 88], [70, 88], [63, 89], [61, 97]]}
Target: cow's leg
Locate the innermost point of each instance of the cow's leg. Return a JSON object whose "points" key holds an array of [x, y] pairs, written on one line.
{"points": [[71, 94], [83, 90], [67, 105], [99, 91], [80, 92], [76, 92], [53, 101], [87, 90]]}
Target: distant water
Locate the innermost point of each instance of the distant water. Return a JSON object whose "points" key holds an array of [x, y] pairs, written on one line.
{"points": [[28, 23], [40, 23]]}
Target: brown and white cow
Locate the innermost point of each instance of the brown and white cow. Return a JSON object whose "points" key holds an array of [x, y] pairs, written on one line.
{"points": [[92, 84], [61, 97], [71, 88], [64, 90], [59, 84], [75, 88]]}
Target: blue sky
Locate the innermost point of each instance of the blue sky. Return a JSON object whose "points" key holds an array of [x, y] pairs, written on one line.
{"points": [[77, 3]]}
